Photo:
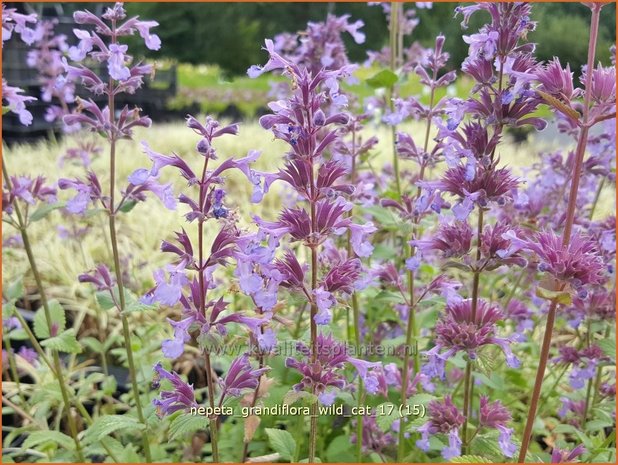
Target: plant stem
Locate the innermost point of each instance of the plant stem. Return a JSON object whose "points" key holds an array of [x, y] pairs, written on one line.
{"points": [[551, 316], [13, 368], [355, 311], [597, 381], [43, 356], [126, 333], [39, 283], [468, 385], [313, 421], [596, 198], [393, 44], [566, 235], [411, 331], [211, 400]]}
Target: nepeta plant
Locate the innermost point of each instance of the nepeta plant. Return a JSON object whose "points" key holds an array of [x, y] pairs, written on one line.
{"points": [[122, 76], [46, 57], [190, 278], [301, 122], [449, 261], [599, 104]]}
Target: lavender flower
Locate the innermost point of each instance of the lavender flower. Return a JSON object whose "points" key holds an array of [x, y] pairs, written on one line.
{"points": [[181, 397], [444, 418], [16, 102], [325, 374], [240, 376], [577, 263], [567, 456], [457, 331], [495, 415]]}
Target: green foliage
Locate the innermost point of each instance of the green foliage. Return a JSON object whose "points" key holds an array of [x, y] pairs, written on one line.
{"points": [[470, 459], [185, 423], [282, 442], [385, 78], [57, 318], [44, 210], [106, 425], [43, 439], [340, 450], [221, 27], [64, 342]]}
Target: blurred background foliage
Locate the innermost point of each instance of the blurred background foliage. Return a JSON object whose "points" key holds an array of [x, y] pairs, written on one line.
{"points": [[226, 34]]}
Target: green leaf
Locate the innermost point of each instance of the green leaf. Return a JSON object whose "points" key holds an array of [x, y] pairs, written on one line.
{"points": [[44, 210], [186, 423], [384, 78], [382, 215], [340, 450], [64, 342], [37, 438], [561, 297], [608, 346], [128, 206], [106, 425], [282, 442], [56, 313], [470, 459], [104, 299], [109, 385], [387, 414], [488, 359], [596, 425], [93, 344], [15, 290], [134, 305]]}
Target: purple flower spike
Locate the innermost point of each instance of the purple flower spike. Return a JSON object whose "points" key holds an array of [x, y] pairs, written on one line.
{"points": [[444, 418], [241, 376], [181, 397]]}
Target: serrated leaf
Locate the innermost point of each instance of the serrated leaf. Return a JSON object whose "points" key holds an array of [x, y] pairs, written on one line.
{"points": [[561, 297], [64, 342], [106, 425], [186, 423], [57, 316], [134, 305], [470, 459], [44, 210], [388, 413], [384, 78], [38, 438], [488, 359], [281, 441]]}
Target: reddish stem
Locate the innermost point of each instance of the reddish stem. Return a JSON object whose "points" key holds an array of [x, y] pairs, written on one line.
{"points": [[566, 235]]}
